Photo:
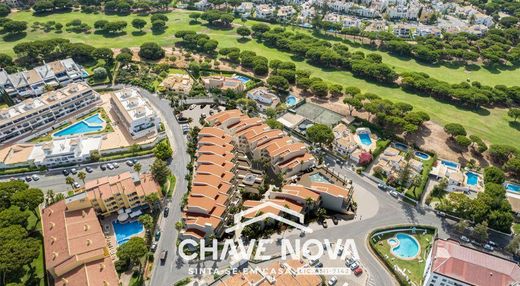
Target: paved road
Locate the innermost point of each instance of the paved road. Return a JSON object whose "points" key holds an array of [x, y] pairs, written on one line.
{"points": [[169, 272], [55, 180]]}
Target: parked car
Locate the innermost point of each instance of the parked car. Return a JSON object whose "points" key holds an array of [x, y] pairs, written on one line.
{"points": [[192, 107], [354, 266], [464, 239], [110, 166], [76, 185], [440, 214], [335, 220], [324, 223], [157, 235], [153, 248], [358, 271], [65, 172], [103, 167], [35, 177], [381, 186], [394, 194], [163, 256], [313, 262], [28, 179], [492, 243], [135, 161], [89, 169], [349, 261], [116, 165], [319, 265], [73, 171], [166, 211], [332, 280], [129, 163]]}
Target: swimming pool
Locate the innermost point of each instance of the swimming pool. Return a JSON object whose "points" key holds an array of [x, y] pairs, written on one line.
{"points": [[471, 178], [88, 125], [401, 146], [291, 100], [242, 78], [404, 246], [450, 164], [318, 177], [513, 188], [125, 231], [365, 138], [421, 155]]}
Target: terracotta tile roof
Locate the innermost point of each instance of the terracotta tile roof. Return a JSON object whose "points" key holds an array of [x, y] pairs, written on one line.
{"points": [[268, 135], [212, 132], [295, 161], [281, 202], [107, 187], [215, 141], [246, 123], [212, 159], [472, 266], [74, 246], [330, 189], [219, 171], [272, 146], [252, 131], [287, 149], [217, 150], [221, 117], [300, 192]]}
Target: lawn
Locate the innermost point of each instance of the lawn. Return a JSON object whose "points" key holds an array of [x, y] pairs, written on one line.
{"points": [[516, 228], [36, 277], [414, 268], [492, 125]]}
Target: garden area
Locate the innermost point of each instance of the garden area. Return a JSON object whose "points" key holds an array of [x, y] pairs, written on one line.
{"points": [[492, 125], [404, 250]]}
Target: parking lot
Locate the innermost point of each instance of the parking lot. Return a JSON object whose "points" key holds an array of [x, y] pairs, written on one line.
{"points": [[195, 112]]}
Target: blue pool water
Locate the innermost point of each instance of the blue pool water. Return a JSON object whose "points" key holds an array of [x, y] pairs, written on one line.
{"points": [[450, 164], [513, 188], [242, 78], [472, 178], [94, 120], [318, 177], [291, 100], [91, 124], [408, 246], [125, 231], [401, 146], [365, 138], [421, 155]]}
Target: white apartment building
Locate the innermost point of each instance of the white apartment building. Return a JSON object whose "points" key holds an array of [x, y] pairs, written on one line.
{"points": [[34, 116], [404, 12], [264, 11], [403, 31], [135, 113], [263, 97], [203, 5], [245, 7], [285, 13], [340, 6], [63, 151], [32, 82]]}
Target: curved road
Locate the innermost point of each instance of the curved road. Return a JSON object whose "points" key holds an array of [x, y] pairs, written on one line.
{"points": [[375, 209]]}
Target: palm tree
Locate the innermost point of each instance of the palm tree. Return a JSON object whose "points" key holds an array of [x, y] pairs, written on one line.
{"points": [[321, 213], [69, 181], [50, 197], [137, 167], [82, 175]]}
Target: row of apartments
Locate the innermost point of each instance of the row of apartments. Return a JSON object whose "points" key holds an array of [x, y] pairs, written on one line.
{"points": [[135, 113], [215, 179], [35, 116], [34, 82]]}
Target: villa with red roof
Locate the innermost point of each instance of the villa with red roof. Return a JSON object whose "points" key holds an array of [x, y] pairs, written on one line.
{"points": [[453, 264]]}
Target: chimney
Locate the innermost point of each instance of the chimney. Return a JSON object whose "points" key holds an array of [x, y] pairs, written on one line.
{"points": [[51, 225]]}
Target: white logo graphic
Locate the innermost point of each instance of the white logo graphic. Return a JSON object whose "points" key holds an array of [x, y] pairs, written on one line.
{"points": [[239, 225]]}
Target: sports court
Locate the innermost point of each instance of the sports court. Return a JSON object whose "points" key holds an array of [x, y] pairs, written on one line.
{"points": [[318, 114]]}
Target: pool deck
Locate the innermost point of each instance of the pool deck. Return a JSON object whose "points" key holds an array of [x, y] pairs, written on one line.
{"points": [[110, 236]]}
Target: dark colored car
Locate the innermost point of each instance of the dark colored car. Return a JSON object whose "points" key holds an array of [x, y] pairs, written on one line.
{"points": [[166, 211], [65, 172]]}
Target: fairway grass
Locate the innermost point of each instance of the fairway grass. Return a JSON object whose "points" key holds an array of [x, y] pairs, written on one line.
{"points": [[491, 125]]}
